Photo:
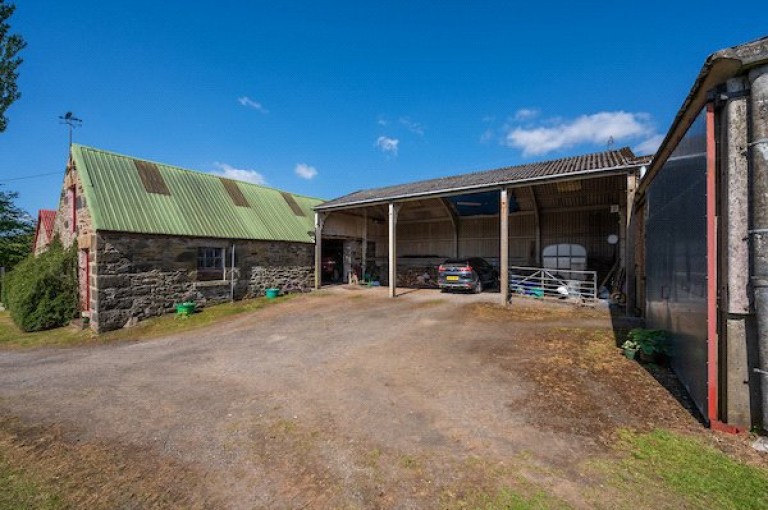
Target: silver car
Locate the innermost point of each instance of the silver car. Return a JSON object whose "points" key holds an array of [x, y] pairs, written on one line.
{"points": [[473, 273]]}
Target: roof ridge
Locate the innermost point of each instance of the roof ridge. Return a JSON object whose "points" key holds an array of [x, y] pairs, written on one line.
{"points": [[175, 167], [619, 152], [622, 159]]}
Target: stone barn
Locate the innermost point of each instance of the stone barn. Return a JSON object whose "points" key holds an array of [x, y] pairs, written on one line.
{"points": [[151, 235]]}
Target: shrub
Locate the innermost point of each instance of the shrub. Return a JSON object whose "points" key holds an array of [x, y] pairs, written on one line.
{"points": [[650, 341], [43, 290]]}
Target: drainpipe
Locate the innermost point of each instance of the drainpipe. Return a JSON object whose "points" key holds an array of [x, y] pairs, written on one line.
{"points": [[232, 275], [758, 153]]}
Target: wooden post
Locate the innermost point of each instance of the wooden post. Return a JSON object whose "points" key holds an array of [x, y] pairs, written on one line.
{"points": [[454, 222], [537, 219], [393, 210], [363, 265], [319, 222], [504, 255]]}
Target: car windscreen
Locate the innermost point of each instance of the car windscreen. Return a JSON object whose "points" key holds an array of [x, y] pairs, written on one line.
{"points": [[463, 262]]}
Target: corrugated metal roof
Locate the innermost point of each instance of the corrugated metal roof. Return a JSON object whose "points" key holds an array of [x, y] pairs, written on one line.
{"points": [[197, 205], [613, 160]]}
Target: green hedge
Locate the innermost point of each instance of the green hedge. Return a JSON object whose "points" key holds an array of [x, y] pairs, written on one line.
{"points": [[43, 290]]}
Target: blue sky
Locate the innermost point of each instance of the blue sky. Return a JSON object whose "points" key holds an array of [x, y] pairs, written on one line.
{"points": [[324, 98]]}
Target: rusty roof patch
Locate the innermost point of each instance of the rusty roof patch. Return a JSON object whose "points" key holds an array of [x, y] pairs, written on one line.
{"points": [[234, 192], [151, 178], [292, 204]]}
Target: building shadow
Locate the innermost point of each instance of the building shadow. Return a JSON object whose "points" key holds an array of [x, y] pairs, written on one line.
{"points": [[662, 373]]}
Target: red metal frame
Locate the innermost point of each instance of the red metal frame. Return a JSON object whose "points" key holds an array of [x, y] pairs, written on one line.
{"points": [[712, 343], [713, 372], [73, 202]]}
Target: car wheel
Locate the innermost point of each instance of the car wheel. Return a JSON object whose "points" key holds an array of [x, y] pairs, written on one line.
{"points": [[478, 287]]}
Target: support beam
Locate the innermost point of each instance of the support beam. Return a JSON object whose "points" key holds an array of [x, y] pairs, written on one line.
{"points": [[734, 285], [393, 210], [504, 255], [319, 222], [758, 152], [455, 222], [537, 220]]}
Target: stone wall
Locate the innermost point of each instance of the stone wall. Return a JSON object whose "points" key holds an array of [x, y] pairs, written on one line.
{"points": [[64, 215], [41, 241], [138, 276], [286, 278], [73, 209]]}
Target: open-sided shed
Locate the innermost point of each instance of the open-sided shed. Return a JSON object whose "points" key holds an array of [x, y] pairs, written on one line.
{"points": [[519, 218]]}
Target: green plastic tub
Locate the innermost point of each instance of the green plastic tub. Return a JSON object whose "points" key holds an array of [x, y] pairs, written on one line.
{"points": [[272, 293], [185, 309]]}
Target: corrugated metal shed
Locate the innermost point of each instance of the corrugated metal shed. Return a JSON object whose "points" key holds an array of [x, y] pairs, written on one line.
{"points": [[573, 167], [197, 205]]}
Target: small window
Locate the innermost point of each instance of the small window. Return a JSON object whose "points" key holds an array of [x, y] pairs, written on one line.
{"points": [[210, 263]]}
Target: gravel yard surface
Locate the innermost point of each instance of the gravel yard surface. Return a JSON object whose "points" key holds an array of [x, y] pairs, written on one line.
{"points": [[345, 398]]}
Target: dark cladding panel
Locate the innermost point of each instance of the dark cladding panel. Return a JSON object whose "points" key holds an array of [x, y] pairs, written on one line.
{"points": [[676, 258], [151, 178], [234, 192], [292, 204]]}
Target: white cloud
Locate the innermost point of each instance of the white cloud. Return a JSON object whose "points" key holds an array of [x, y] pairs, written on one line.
{"points": [[239, 174], [382, 121], [387, 145], [413, 127], [526, 114], [305, 171], [649, 146], [487, 136], [596, 129], [250, 103]]}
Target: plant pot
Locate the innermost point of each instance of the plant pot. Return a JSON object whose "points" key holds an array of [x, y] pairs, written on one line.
{"points": [[272, 293], [630, 353], [642, 357]]}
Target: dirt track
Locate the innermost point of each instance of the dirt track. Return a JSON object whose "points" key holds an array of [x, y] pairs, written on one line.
{"points": [[350, 399]]}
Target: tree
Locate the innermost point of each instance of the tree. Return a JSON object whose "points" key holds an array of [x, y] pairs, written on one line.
{"points": [[10, 46], [16, 231]]}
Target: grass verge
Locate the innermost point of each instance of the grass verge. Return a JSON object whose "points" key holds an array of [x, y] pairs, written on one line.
{"points": [[19, 491], [509, 499], [12, 337], [41, 468], [664, 466]]}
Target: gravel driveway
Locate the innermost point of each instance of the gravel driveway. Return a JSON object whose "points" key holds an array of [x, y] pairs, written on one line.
{"points": [[349, 399]]}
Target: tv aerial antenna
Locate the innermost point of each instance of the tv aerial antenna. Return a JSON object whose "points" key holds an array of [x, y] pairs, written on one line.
{"points": [[70, 120]]}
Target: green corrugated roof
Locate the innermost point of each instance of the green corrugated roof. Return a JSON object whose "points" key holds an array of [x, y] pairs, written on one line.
{"points": [[198, 204]]}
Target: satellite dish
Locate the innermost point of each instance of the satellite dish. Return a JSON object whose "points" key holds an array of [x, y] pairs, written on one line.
{"points": [[613, 239]]}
